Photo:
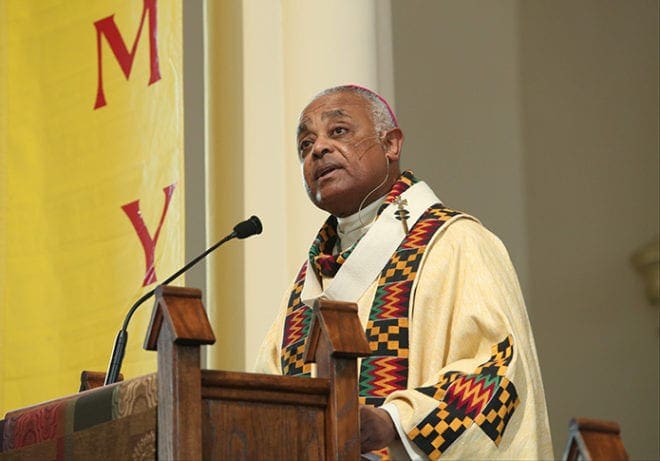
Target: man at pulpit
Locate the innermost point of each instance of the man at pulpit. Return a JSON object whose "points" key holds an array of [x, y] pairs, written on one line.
{"points": [[453, 371]]}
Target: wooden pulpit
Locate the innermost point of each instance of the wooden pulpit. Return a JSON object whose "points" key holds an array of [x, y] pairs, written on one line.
{"points": [[220, 415]]}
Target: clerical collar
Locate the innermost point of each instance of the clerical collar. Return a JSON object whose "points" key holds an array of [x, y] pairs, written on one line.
{"points": [[351, 228]]}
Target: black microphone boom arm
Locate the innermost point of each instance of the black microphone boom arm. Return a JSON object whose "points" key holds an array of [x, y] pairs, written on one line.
{"points": [[241, 230]]}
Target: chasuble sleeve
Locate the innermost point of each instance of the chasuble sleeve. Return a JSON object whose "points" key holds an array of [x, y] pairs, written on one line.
{"points": [[474, 386]]}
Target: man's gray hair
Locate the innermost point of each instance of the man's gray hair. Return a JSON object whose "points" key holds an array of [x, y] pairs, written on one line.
{"points": [[381, 113]]}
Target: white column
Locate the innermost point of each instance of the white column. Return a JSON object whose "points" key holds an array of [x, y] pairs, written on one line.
{"points": [[264, 169], [224, 181]]}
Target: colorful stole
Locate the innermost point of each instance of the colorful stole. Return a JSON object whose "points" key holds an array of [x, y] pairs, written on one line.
{"points": [[386, 370]]}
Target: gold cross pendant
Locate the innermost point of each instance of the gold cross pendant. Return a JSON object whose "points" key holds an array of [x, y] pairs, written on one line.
{"points": [[401, 213]]}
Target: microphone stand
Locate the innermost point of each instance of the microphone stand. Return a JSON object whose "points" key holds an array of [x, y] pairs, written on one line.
{"points": [[242, 230]]}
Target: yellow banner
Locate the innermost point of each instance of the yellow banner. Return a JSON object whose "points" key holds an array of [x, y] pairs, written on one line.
{"points": [[91, 183]]}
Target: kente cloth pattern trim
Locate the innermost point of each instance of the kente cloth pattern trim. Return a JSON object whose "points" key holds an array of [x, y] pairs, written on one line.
{"points": [[296, 328], [485, 398], [326, 263], [386, 370], [322, 262], [321, 255], [387, 329]]}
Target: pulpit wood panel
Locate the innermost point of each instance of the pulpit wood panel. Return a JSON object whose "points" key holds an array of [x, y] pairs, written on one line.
{"points": [[263, 417]]}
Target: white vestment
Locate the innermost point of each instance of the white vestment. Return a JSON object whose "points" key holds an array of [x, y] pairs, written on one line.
{"points": [[466, 301]]}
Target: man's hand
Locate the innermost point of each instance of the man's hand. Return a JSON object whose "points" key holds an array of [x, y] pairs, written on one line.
{"points": [[376, 429]]}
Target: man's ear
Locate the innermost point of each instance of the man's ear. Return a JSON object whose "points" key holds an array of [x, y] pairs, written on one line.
{"points": [[392, 143]]}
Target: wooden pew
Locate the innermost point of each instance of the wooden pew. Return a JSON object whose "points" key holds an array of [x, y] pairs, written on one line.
{"points": [[592, 439]]}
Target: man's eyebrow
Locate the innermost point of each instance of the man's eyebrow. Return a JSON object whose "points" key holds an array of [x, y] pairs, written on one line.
{"points": [[336, 113], [330, 114]]}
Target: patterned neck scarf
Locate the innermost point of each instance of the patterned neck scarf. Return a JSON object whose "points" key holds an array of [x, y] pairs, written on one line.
{"points": [[324, 262]]}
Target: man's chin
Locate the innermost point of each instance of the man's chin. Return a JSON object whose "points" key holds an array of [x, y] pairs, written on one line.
{"points": [[338, 209], [333, 203]]}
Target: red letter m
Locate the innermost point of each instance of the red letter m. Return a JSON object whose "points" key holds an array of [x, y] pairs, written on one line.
{"points": [[107, 27]]}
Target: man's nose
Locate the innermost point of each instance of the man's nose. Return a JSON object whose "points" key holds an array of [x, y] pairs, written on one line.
{"points": [[321, 146]]}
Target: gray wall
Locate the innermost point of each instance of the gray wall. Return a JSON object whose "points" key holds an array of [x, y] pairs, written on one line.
{"points": [[541, 118]]}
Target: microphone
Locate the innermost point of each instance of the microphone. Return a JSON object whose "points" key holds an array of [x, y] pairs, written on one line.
{"points": [[242, 230], [247, 228]]}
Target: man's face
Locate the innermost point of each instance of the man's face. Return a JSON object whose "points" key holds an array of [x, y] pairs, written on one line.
{"points": [[342, 156]]}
